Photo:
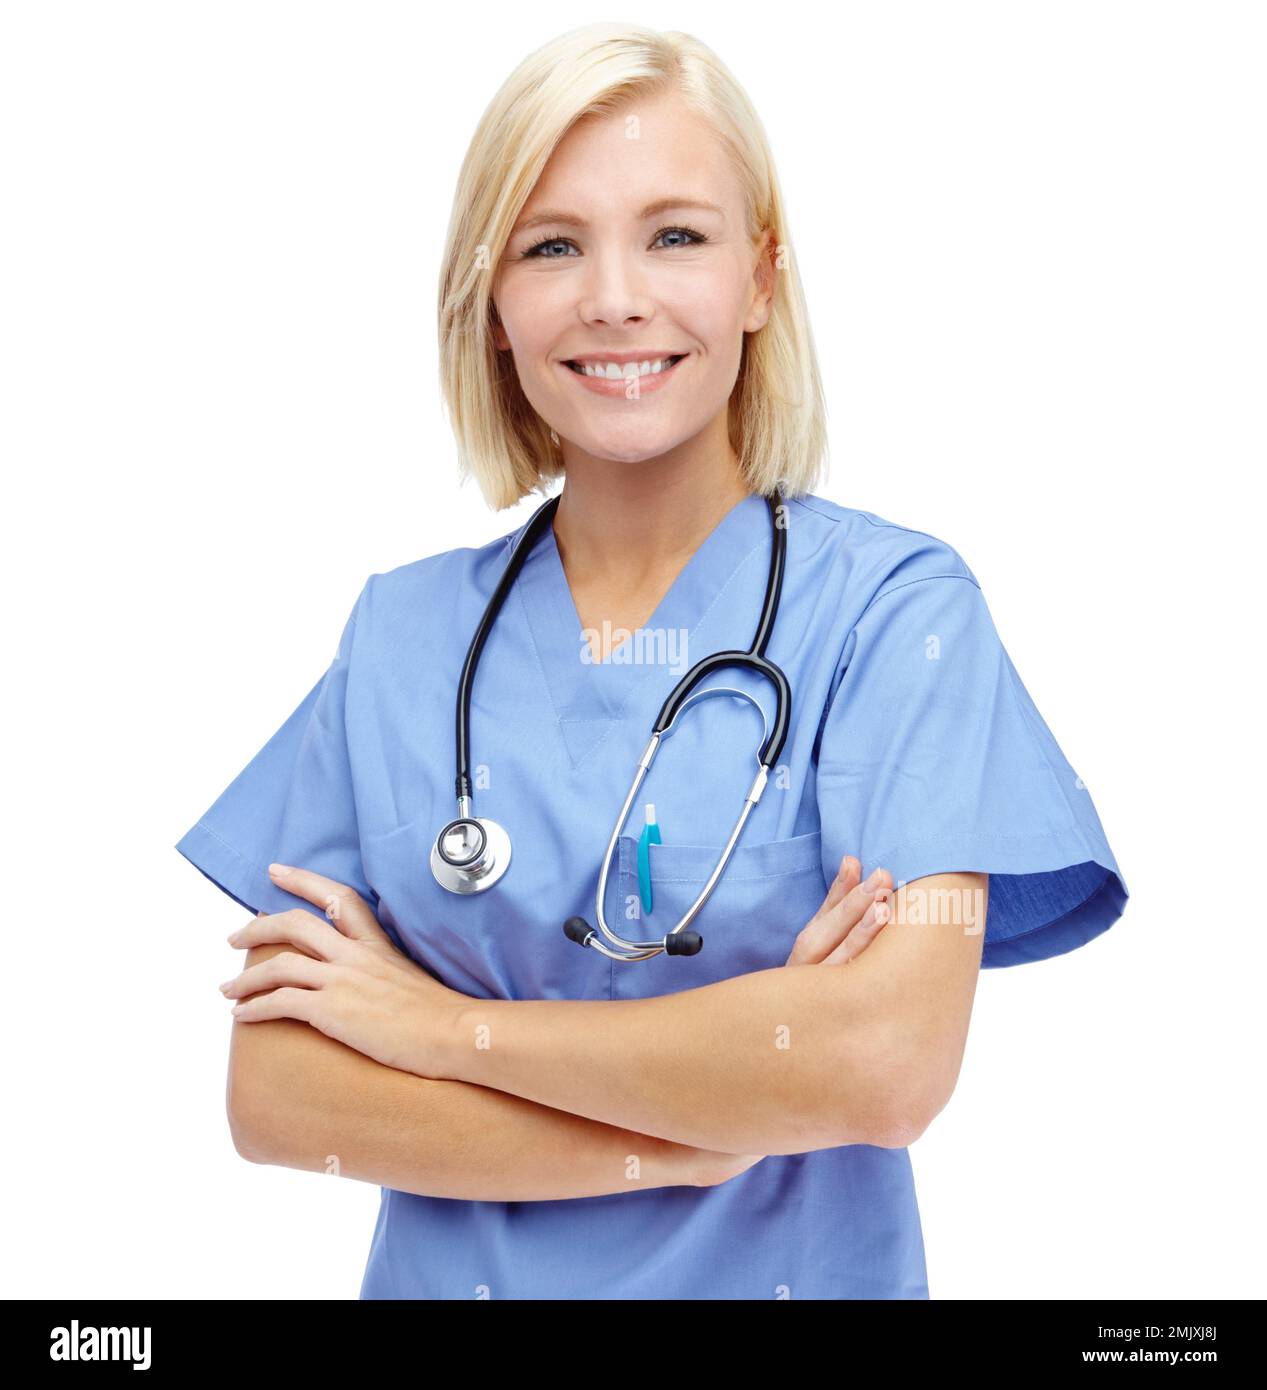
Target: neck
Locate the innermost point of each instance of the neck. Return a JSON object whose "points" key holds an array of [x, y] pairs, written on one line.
{"points": [[625, 524]]}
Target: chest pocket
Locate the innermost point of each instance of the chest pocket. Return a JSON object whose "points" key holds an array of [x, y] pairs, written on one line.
{"points": [[766, 894]]}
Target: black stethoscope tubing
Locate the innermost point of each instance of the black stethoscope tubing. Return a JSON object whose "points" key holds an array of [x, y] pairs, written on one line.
{"points": [[486, 848], [754, 657]]}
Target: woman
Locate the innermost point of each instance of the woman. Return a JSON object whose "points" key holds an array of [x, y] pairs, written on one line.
{"points": [[738, 1126]]}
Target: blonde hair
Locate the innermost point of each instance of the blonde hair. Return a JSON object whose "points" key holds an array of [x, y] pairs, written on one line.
{"points": [[776, 412]]}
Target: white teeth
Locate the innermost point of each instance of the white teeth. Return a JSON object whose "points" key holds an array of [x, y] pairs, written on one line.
{"points": [[614, 371]]}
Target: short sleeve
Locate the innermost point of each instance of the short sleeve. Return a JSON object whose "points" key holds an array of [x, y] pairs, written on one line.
{"points": [[293, 803], [934, 759]]}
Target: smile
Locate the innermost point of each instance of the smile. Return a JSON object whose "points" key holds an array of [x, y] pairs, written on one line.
{"points": [[612, 378]]}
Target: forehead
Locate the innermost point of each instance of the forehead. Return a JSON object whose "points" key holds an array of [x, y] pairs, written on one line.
{"points": [[619, 162]]}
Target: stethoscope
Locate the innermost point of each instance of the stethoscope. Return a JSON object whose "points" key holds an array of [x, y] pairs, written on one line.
{"points": [[471, 853]]}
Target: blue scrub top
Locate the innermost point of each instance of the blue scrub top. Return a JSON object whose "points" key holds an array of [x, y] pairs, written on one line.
{"points": [[913, 745]]}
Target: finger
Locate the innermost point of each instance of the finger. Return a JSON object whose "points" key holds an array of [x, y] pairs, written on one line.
{"points": [[824, 932], [298, 926], [344, 906], [872, 923], [845, 881], [278, 1003], [285, 968]]}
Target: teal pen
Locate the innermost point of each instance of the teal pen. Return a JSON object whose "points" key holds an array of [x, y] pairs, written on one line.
{"points": [[650, 836]]}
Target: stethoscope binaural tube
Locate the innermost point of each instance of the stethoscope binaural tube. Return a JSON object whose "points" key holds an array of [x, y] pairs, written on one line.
{"points": [[679, 941]]}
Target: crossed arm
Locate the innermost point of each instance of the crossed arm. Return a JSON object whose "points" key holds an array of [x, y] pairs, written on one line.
{"points": [[775, 1062], [780, 1061], [299, 1099]]}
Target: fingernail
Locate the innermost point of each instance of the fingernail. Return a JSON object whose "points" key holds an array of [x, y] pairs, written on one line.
{"points": [[874, 880], [279, 870], [224, 988]]}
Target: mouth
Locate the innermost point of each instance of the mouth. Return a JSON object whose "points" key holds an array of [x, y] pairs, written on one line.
{"points": [[613, 378], [616, 371]]}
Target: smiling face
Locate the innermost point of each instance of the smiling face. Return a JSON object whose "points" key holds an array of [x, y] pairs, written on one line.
{"points": [[632, 250]]}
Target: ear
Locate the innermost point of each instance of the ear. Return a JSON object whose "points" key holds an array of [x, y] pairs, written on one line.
{"points": [[765, 276], [500, 340]]}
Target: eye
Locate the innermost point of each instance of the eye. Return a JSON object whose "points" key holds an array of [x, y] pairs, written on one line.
{"points": [[544, 250], [697, 238], [550, 244]]}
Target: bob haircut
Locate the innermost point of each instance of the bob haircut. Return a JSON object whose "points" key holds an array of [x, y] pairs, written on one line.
{"points": [[776, 414]]}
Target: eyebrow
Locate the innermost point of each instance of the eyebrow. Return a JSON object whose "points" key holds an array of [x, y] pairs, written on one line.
{"points": [[569, 219]]}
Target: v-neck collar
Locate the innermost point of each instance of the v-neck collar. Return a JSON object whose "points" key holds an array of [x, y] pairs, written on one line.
{"points": [[590, 697]]}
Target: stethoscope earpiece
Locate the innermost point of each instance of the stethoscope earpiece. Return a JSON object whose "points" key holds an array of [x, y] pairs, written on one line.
{"points": [[579, 930], [470, 854], [682, 943]]}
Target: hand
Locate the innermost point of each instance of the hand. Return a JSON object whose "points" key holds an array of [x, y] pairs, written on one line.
{"points": [[351, 983], [850, 918], [710, 1168]]}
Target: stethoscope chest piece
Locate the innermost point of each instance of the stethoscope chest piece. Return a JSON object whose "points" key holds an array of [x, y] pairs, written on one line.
{"points": [[470, 855]]}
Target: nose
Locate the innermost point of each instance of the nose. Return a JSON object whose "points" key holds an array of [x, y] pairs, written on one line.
{"points": [[614, 290]]}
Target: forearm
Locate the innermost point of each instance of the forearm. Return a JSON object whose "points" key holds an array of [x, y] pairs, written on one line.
{"points": [[301, 1100], [774, 1062]]}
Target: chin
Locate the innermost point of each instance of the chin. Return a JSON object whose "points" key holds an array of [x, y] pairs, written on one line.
{"points": [[633, 450], [632, 457]]}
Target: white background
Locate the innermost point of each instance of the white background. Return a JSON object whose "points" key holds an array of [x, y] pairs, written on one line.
{"points": [[1032, 240]]}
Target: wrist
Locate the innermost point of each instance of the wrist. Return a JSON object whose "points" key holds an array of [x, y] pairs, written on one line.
{"points": [[467, 1039]]}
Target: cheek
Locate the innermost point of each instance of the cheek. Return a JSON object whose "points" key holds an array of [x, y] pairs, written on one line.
{"points": [[714, 317], [529, 313]]}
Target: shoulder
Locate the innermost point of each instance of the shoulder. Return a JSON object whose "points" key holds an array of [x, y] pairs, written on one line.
{"points": [[870, 556], [876, 556], [433, 587]]}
